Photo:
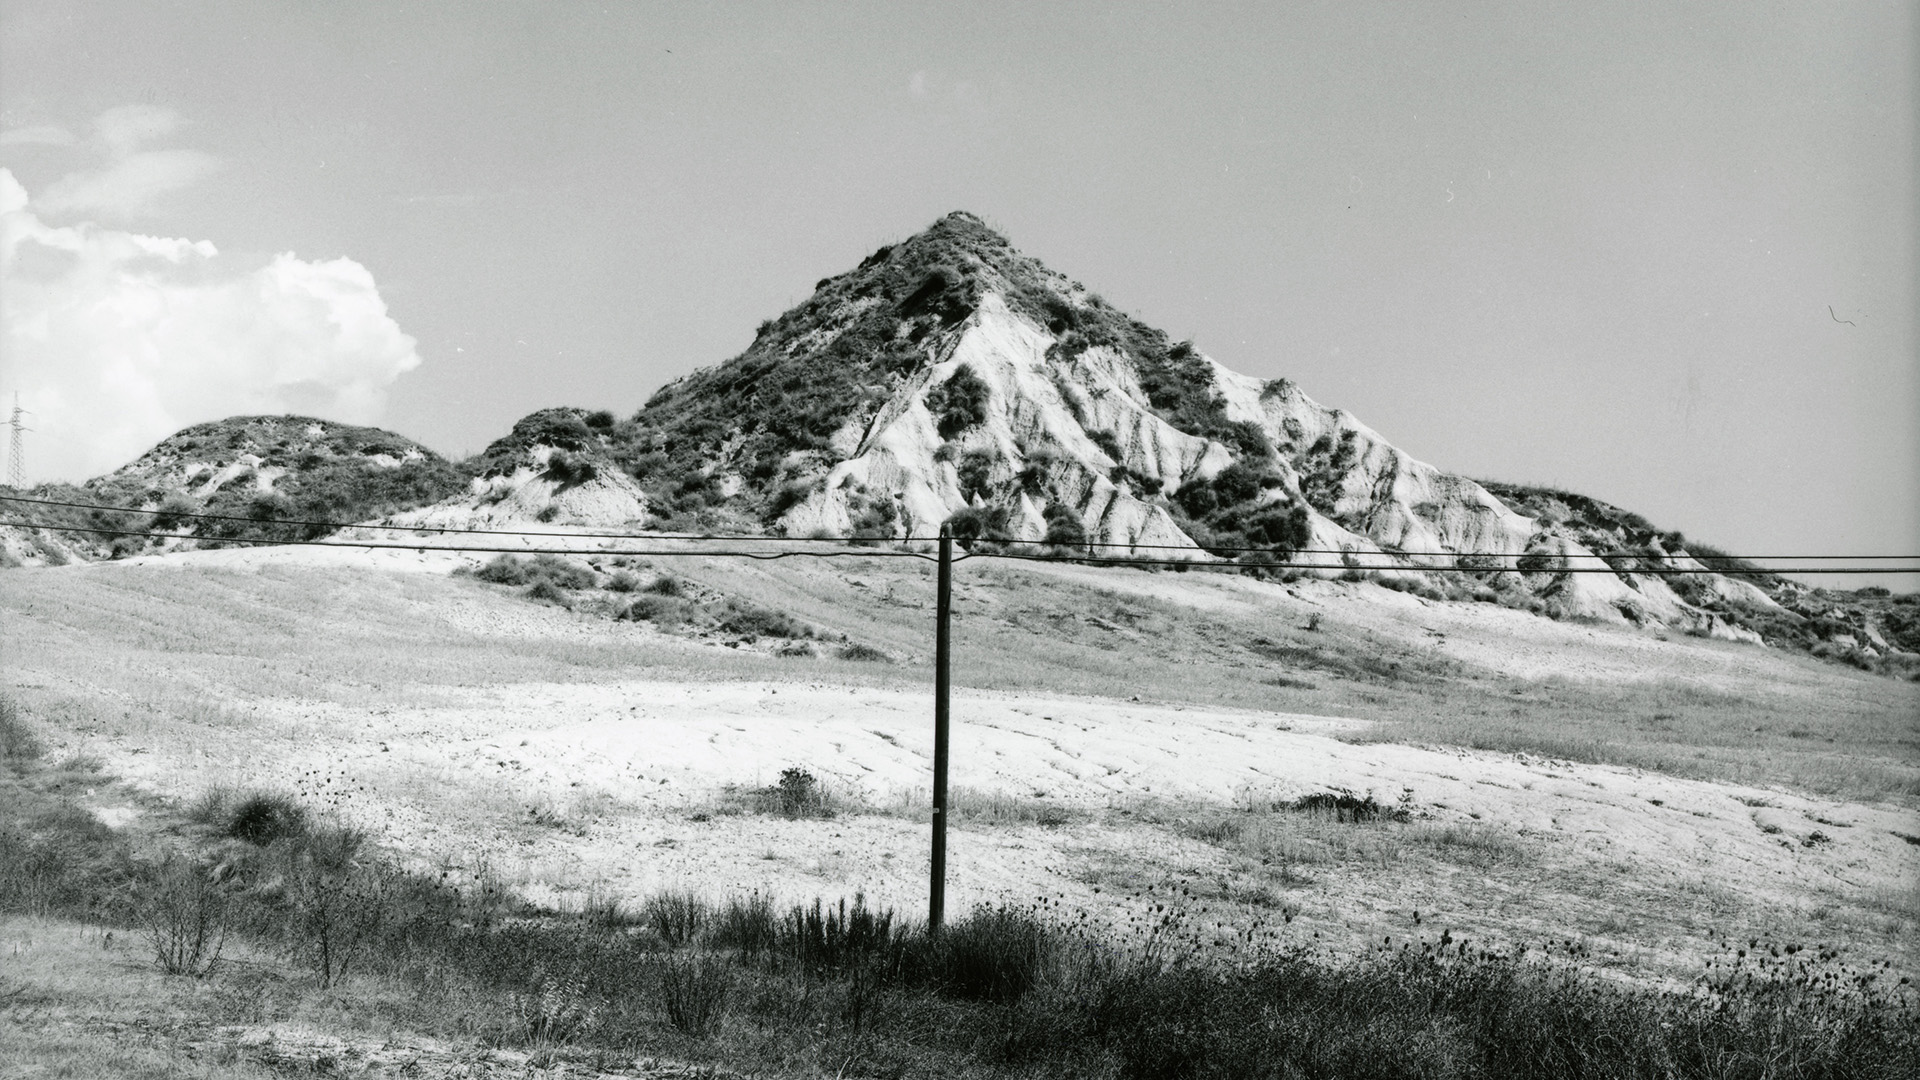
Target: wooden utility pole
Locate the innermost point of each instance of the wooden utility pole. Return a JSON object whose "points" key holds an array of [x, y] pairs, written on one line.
{"points": [[942, 654]]}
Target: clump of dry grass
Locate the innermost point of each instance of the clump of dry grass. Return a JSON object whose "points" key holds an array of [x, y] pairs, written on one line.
{"points": [[17, 739]]}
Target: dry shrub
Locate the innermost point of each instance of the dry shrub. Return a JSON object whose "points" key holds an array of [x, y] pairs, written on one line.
{"points": [[184, 916], [554, 1011], [678, 917], [693, 990]]}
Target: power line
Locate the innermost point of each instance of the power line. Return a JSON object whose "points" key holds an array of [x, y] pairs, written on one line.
{"points": [[1665, 571], [1081, 560], [260, 541], [1198, 548], [195, 515]]}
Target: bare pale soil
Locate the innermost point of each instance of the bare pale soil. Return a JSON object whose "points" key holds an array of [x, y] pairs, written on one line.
{"points": [[1121, 739]]}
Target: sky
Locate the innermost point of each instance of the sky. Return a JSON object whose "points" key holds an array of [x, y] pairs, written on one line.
{"points": [[1663, 254]]}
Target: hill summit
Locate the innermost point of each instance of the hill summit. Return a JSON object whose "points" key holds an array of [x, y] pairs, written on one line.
{"points": [[950, 380]]}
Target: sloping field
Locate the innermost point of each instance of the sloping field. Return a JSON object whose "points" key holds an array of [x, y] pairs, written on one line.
{"points": [[1120, 737]]}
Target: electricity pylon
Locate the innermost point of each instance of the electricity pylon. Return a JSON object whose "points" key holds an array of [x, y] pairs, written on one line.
{"points": [[17, 447]]}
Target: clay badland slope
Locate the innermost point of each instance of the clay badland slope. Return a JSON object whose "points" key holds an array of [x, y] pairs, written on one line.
{"points": [[950, 379]]}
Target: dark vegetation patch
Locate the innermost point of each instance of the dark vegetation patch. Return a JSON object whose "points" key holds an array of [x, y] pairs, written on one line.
{"points": [[259, 818], [545, 591], [959, 403], [1243, 506], [1357, 661], [629, 589], [1064, 528], [558, 572], [974, 525], [1324, 467], [751, 621], [1343, 805]]}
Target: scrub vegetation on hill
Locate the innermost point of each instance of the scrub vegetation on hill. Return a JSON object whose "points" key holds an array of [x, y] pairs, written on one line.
{"points": [[265, 477]]}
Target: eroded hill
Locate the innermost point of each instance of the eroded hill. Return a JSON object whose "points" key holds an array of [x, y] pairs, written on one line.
{"points": [[250, 475], [949, 380]]}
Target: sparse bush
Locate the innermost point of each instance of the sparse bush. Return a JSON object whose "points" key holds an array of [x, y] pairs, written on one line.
{"points": [[33, 872], [666, 585], [184, 917], [552, 571], [270, 506], [173, 512], [799, 794], [752, 621], [562, 573], [571, 468], [832, 940], [60, 859], [335, 903], [663, 611], [1063, 526], [973, 525], [867, 653], [678, 917], [748, 926], [503, 570], [623, 581], [876, 519], [547, 591], [1108, 445], [693, 991], [604, 912], [787, 496]]}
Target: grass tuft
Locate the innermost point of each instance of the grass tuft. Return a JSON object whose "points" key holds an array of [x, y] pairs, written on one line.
{"points": [[18, 743], [262, 818]]}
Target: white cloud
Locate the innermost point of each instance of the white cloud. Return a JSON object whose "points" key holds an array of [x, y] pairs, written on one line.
{"points": [[129, 187], [124, 128], [133, 180], [115, 339], [37, 135]]}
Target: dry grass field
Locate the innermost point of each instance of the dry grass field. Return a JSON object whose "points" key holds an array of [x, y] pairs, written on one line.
{"points": [[1130, 748]]}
